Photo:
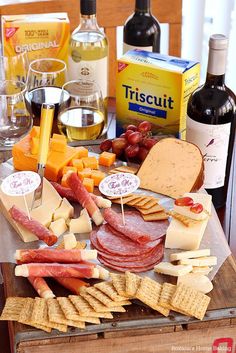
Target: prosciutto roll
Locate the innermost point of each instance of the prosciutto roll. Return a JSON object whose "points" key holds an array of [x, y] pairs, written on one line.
{"points": [[73, 284], [41, 287]]}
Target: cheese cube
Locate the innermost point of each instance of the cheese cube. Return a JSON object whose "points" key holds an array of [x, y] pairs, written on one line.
{"points": [[167, 268], [81, 224], [66, 210], [34, 145], [70, 241], [81, 152], [90, 162], [178, 236], [58, 227]]}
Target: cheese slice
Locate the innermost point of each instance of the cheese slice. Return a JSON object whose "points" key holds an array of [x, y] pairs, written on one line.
{"points": [[178, 236], [50, 202], [166, 268], [58, 227], [189, 254], [175, 167], [66, 210], [196, 281], [201, 261], [198, 198]]}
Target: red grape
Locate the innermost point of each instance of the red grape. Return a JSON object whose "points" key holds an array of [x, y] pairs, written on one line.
{"points": [[144, 126], [148, 143], [118, 145], [105, 145], [134, 138], [132, 151], [196, 208], [127, 133], [142, 153], [132, 127], [184, 201]]}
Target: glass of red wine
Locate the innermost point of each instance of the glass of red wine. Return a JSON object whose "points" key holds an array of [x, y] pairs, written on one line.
{"points": [[44, 85]]}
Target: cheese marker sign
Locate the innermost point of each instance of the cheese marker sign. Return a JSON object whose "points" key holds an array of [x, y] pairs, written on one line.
{"points": [[21, 184], [120, 185]]}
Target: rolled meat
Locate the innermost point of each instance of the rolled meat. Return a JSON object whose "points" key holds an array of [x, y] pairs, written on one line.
{"points": [[41, 287], [73, 284]]}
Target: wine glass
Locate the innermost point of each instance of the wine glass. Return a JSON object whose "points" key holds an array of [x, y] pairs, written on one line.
{"points": [[44, 82], [15, 121], [14, 67], [83, 117]]}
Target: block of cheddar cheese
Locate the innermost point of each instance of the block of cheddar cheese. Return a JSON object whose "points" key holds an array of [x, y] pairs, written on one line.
{"points": [[172, 167]]}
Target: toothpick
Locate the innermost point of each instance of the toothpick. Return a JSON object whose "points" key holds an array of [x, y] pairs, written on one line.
{"points": [[26, 206], [122, 210]]}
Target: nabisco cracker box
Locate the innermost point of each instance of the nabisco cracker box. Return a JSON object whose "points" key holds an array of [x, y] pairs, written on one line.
{"points": [[154, 87], [41, 35]]}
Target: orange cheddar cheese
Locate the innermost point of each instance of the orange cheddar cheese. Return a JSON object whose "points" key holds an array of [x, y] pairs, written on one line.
{"points": [[58, 145], [97, 176], [85, 173], [34, 144], [59, 137], [23, 159], [107, 159], [76, 162], [69, 169], [88, 184], [81, 152], [35, 131], [90, 162]]}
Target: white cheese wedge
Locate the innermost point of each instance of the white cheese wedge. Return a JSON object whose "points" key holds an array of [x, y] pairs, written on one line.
{"points": [[70, 241], [204, 270], [198, 198], [189, 254], [166, 268], [178, 236], [58, 227], [103, 273], [196, 281], [66, 210], [82, 224], [201, 261]]}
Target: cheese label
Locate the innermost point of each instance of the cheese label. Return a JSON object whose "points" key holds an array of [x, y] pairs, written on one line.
{"points": [[120, 184], [20, 183]]}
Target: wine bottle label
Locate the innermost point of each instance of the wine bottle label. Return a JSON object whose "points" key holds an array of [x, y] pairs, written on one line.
{"points": [[95, 70], [213, 141], [127, 47]]}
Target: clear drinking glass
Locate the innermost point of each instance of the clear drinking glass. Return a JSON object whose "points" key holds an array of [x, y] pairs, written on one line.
{"points": [[83, 117], [14, 67], [44, 84], [15, 121]]}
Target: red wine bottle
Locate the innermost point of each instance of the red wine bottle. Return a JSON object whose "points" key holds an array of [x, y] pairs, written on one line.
{"points": [[211, 121], [142, 29]]}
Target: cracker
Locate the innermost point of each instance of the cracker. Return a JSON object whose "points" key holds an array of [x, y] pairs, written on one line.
{"points": [[55, 314], [126, 199], [149, 293], [136, 201], [25, 316], [191, 301], [98, 306], [118, 282], [125, 169], [153, 209], [12, 308], [167, 293], [85, 310], [68, 309], [104, 299], [188, 222], [108, 289], [157, 216], [132, 282], [148, 202], [40, 315]]}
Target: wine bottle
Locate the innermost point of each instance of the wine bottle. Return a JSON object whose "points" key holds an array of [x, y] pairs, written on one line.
{"points": [[211, 121], [142, 29], [88, 52]]}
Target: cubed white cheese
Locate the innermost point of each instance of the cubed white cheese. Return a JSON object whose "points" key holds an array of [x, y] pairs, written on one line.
{"points": [[82, 224], [70, 241], [64, 211], [58, 227]]}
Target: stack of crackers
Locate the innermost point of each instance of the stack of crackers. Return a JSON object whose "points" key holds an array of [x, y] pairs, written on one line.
{"points": [[148, 206]]}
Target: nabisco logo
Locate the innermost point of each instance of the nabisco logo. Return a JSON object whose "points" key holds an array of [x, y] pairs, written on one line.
{"points": [[9, 32], [121, 66]]}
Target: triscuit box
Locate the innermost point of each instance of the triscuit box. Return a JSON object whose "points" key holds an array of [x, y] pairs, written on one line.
{"points": [[41, 35], [154, 87]]}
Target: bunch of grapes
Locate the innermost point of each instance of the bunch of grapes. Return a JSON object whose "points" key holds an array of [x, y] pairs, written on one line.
{"points": [[134, 144]]}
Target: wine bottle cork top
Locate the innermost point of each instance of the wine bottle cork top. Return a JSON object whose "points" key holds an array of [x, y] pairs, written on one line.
{"points": [[88, 7], [218, 42]]}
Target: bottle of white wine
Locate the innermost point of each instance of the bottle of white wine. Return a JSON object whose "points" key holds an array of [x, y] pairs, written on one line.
{"points": [[88, 52], [211, 121], [142, 29]]}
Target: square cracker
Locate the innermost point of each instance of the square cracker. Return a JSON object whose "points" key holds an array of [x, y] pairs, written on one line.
{"points": [[26, 314], [85, 309], [125, 199], [188, 222], [56, 314], [108, 289], [132, 282], [138, 199], [98, 306], [70, 311], [191, 301], [104, 299], [12, 308], [147, 202], [149, 292], [118, 281], [157, 216], [153, 209], [167, 293]]}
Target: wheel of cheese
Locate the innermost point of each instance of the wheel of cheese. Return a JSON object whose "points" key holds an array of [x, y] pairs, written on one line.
{"points": [[172, 167]]}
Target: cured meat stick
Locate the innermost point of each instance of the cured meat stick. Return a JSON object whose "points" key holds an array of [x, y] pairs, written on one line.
{"points": [[54, 255], [73, 284], [63, 191], [115, 221], [41, 287], [38, 229], [57, 270], [84, 198]]}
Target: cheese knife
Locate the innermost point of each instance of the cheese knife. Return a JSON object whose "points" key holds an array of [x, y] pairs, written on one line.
{"points": [[46, 120]]}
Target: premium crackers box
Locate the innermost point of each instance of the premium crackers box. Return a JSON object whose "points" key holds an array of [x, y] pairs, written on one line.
{"points": [[41, 35], [154, 87]]}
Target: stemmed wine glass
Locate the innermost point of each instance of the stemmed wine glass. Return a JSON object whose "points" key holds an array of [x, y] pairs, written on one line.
{"points": [[83, 117], [44, 84], [14, 67]]}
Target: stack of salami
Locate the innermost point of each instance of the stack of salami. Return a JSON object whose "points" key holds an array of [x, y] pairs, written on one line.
{"points": [[134, 246]]}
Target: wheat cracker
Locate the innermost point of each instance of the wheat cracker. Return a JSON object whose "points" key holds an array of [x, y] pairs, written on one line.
{"points": [[132, 282], [118, 281], [12, 308], [86, 310], [25, 316], [55, 314], [157, 216], [108, 289]]}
